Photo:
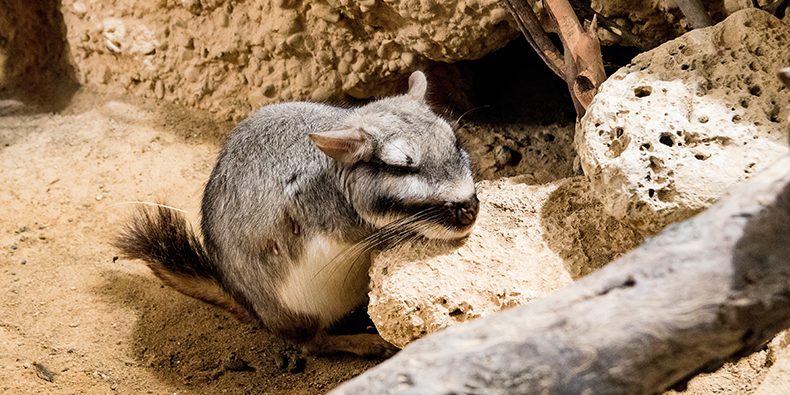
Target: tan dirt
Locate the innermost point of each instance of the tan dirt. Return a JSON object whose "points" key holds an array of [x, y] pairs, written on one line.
{"points": [[100, 324]]}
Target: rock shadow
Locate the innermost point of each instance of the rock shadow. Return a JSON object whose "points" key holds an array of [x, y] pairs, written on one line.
{"points": [[580, 232]]}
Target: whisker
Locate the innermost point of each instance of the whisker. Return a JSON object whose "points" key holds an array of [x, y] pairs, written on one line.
{"points": [[359, 267], [457, 121], [151, 204], [406, 231], [390, 234]]}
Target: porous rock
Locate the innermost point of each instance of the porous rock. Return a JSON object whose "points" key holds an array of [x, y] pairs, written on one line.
{"points": [[230, 57], [656, 21], [667, 135], [528, 241]]}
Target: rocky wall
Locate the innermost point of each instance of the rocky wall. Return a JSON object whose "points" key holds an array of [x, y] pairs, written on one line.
{"points": [[229, 57]]}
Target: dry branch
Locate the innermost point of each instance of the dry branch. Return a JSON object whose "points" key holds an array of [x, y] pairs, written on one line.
{"points": [[580, 63], [530, 26], [703, 291], [695, 12], [584, 71]]}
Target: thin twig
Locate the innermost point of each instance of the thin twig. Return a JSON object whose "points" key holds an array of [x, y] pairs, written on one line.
{"points": [[533, 31]]}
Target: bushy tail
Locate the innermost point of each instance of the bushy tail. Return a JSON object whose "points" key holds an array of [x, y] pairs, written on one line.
{"points": [[162, 238]]}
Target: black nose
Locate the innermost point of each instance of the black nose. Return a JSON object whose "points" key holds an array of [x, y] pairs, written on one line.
{"points": [[466, 212]]}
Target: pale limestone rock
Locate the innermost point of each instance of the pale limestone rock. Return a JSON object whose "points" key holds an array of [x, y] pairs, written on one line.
{"points": [[776, 381], [528, 241], [667, 135]]}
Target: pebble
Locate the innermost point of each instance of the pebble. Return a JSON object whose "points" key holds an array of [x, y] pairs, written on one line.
{"points": [[79, 9], [359, 64], [291, 24], [258, 53], [148, 48], [304, 80], [407, 58], [192, 73], [208, 85], [295, 41], [238, 365], [321, 94], [269, 90], [43, 373], [343, 67], [105, 76], [159, 89], [188, 42]]}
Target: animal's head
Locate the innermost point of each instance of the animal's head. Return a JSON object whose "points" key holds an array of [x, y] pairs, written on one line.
{"points": [[398, 161]]}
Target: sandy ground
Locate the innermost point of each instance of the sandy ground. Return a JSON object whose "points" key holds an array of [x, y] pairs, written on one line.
{"points": [[75, 319]]}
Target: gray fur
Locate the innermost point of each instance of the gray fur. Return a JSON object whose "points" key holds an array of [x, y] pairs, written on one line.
{"points": [[303, 178]]}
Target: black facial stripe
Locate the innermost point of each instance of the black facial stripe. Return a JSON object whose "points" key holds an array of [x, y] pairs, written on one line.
{"points": [[386, 205], [382, 166]]}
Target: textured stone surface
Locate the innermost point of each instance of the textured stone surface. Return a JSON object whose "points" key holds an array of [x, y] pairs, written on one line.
{"points": [[667, 135], [778, 377], [541, 154], [654, 21], [529, 240], [229, 57]]}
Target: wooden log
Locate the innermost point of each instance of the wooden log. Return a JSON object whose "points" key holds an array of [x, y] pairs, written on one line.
{"points": [[702, 292]]}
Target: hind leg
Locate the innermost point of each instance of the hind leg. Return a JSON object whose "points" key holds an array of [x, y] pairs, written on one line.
{"points": [[363, 344]]}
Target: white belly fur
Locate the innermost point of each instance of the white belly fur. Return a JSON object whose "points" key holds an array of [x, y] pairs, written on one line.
{"points": [[323, 289]]}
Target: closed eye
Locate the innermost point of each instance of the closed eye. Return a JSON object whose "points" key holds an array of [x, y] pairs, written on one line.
{"points": [[394, 169]]}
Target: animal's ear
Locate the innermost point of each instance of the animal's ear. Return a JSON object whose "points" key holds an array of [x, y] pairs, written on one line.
{"points": [[346, 145], [418, 85]]}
